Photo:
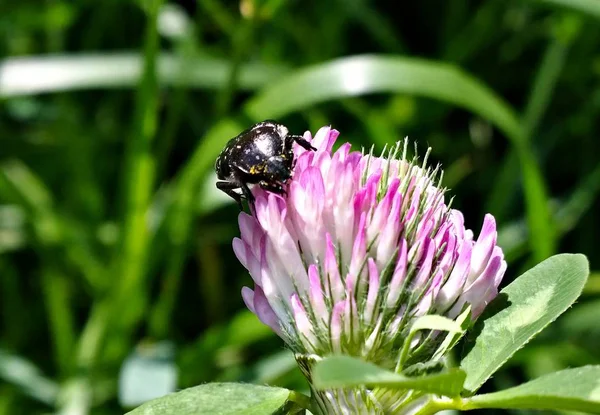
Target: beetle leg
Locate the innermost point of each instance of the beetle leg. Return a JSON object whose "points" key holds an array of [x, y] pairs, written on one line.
{"points": [[273, 187], [302, 142], [247, 193], [242, 184], [228, 188]]}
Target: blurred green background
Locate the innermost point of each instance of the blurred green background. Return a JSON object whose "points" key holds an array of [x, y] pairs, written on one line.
{"points": [[117, 278]]}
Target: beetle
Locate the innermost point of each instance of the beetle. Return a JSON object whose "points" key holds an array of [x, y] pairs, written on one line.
{"points": [[263, 155]]}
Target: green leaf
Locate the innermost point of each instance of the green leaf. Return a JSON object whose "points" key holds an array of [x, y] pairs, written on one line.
{"points": [[344, 372], [38, 74], [520, 311], [575, 389], [589, 7], [218, 399]]}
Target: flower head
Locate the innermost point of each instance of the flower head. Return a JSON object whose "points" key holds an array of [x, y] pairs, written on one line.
{"points": [[358, 248]]}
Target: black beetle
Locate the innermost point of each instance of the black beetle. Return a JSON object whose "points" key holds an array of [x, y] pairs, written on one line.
{"points": [[262, 154]]}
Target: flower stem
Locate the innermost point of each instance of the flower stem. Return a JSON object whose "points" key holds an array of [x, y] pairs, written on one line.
{"points": [[436, 405], [300, 399], [404, 351]]}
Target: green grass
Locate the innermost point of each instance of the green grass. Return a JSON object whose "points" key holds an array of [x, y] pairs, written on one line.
{"points": [[113, 237]]}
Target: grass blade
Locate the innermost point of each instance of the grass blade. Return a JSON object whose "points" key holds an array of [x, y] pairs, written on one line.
{"points": [[588, 7], [370, 74], [43, 74]]}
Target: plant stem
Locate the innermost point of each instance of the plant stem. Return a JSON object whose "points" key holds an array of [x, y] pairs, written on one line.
{"points": [[56, 288]]}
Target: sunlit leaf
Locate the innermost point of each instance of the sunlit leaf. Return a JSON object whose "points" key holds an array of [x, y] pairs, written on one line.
{"points": [[218, 399], [520, 311]]}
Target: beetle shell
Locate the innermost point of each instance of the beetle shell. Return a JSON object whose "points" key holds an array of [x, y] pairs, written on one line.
{"points": [[262, 154], [260, 150], [251, 151]]}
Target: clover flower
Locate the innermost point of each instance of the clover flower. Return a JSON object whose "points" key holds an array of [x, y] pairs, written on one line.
{"points": [[358, 248]]}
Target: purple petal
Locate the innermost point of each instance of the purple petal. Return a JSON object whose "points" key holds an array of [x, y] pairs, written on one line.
{"points": [[359, 253], [303, 161], [373, 292], [282, 249], [308, 197], [301, 319], [250, 231], [398, 276], [498, 253], [325, 138], [386, 224], [481, 291], [247, 225], [336, 326], [425, 264], [248, 297], [336, 287], [265, 313], [366, 197], [246, 257], [316, 294], [343, 212], [424, 305], [239, 248], [424, 228], [452, 288], [340, 156], [483, 248]]}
